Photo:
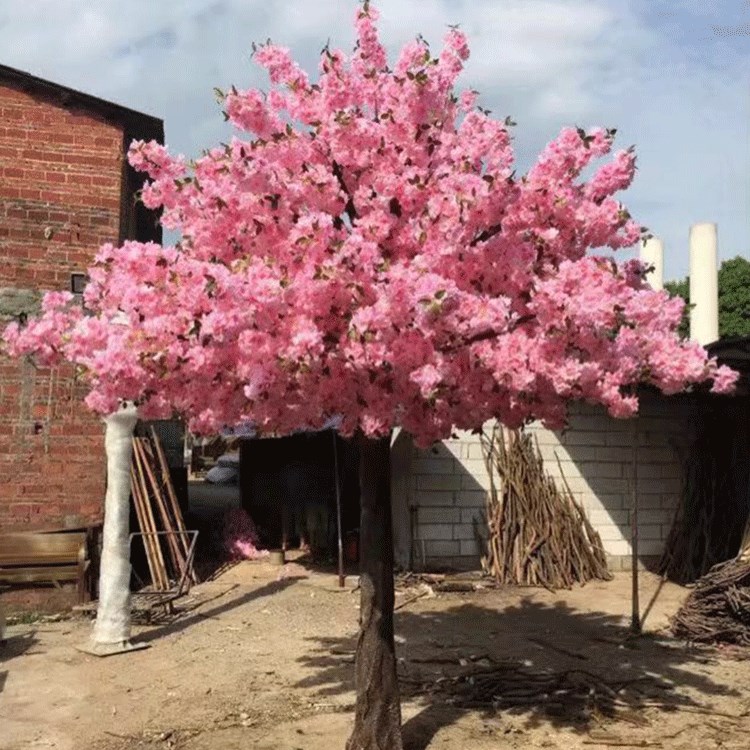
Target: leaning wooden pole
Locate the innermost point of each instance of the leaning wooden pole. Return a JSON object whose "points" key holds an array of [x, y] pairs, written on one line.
{"points": [[176, 510], [173, 545], [162, 581], [140, 513]]}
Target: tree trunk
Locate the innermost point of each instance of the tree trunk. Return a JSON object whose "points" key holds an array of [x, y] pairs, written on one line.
{"points": [[377, 723], [112, 627]]}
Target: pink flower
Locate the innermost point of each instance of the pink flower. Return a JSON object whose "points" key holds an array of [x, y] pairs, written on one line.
{"points": [[725, 380], [467, 100], [427, 377]]}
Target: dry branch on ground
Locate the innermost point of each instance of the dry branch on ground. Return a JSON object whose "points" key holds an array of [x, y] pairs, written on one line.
{"points": [[718, 609]]}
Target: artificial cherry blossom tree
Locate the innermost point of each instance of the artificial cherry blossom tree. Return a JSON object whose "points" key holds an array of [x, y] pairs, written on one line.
{"points": [[364, 248]]}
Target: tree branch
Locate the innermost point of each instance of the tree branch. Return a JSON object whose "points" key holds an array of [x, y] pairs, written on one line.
{"points": [[486, 234], [488, 335], [351, 211]]}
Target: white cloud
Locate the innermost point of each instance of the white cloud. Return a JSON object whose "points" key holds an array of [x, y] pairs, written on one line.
{"points": [[639, 65]]}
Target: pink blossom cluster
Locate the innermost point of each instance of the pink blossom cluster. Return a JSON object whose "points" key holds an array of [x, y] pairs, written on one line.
{"points": [[362, 247]]}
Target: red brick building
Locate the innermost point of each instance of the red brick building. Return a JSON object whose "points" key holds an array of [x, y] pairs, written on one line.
{"points": [[65, 188]]}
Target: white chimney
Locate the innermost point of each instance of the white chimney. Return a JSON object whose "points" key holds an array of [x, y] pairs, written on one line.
{"points": [[652, 254], [704, 283]]}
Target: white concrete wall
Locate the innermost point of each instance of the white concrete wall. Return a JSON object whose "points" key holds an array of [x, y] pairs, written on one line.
{"points": [[447, 484]]}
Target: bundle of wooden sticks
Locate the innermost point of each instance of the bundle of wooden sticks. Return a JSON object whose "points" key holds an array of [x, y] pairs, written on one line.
{"points": [[537, 534], [166, 540]]}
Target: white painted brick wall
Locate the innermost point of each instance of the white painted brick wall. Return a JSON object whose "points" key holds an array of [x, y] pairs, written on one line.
{"points": [[449, 481]]}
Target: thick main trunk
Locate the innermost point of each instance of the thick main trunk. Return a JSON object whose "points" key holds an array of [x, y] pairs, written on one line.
{"points": [[377, 723], [112, 627]]}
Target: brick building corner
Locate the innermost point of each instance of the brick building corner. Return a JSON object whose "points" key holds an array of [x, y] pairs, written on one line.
{"points": [[65, 189]]}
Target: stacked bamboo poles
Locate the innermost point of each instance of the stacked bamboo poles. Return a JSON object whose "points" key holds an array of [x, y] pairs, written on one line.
{"points": [[158, 513], [538, 535]]}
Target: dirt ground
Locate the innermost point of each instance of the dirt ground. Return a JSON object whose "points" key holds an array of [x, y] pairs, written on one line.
{"points": [[257, 662]]}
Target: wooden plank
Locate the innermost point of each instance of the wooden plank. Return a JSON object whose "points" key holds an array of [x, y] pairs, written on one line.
{"points": [[8, 561], [31, 546], [39, 574]]}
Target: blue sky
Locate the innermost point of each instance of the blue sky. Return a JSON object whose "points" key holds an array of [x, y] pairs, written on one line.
{"points": [[673, 76]]}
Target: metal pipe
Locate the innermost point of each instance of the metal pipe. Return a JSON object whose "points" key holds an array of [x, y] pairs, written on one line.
{"points": [[635, 621], [342, 577]]}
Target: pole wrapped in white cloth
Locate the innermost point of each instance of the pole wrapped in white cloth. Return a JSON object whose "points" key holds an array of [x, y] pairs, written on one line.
{"points": [[112, 627]]}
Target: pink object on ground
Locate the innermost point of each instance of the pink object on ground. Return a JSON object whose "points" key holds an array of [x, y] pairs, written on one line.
{"points": [[241, 536]]}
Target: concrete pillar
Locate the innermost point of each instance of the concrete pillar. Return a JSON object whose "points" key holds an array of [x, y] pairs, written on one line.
{"points": [[704, 283], [652, 254]]}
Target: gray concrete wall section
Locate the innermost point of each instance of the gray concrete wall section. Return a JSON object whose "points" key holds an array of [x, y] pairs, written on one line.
{"points": [[447, 484]]}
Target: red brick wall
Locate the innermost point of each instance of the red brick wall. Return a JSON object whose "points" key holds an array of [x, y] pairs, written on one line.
{"points": [[60, 198]]}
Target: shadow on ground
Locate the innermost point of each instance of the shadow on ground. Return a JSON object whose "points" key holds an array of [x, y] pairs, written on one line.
{"points": [[13, 646], [543, 663], [183, 622]]}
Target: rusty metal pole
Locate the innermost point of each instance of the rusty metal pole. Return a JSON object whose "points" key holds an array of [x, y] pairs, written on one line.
{"points": [[342, 577], [635, 621]]}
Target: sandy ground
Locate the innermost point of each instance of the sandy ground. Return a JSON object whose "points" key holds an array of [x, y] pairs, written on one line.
{"points": [[254, 662]]}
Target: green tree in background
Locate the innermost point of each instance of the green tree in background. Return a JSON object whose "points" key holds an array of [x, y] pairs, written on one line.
{"points": [[734, 299]]}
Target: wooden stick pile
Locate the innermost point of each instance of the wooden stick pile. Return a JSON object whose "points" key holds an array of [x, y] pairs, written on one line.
{"points": [[537, 534], [157, 510], [718, 609]]}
